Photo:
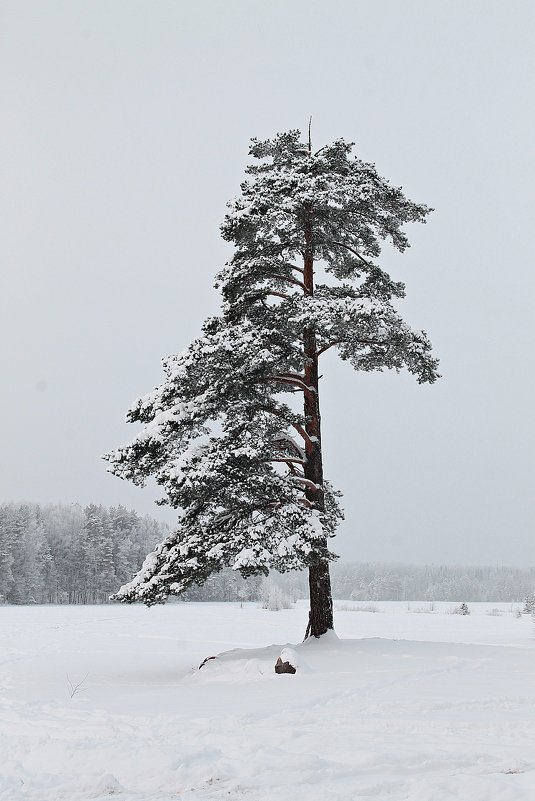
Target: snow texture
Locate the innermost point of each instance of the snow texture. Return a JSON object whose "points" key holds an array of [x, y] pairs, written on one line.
{"points": [[399, 707]]}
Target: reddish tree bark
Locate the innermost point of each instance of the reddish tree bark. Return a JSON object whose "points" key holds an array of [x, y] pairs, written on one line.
{"points": [[321, 604]]}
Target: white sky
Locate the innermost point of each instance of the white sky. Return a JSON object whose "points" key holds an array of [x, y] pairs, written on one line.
{"points": [[124, 130]]}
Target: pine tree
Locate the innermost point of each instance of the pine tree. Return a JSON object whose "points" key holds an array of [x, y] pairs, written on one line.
{"points": [[233, 435]]}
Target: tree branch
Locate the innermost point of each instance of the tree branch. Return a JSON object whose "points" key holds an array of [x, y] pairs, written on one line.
{"points": [[293, 470], [357, 341], [291, 382], [298, 269], [285, 442], [305, 502], [352, 250], [287, 278], [330, 345], [300, 430], [287, 460], [294, 376], [307, 482]]}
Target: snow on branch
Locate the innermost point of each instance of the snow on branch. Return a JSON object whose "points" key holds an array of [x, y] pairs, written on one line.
{"points": [[307, 483], [284, 379]]}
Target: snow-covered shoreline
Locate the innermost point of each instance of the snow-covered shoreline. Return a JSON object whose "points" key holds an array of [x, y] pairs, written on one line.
{"points": [[406, 704]]}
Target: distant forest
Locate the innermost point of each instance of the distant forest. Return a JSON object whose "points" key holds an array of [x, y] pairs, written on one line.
{"points": [[72, 555], [66, 554]]}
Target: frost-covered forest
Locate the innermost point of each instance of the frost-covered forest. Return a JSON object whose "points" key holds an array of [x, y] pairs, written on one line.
{"points": [[374, 582], [404, 582], [68, 554]]}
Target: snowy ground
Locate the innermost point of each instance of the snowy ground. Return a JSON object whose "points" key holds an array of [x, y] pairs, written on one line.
{"points": [[417, 705]]}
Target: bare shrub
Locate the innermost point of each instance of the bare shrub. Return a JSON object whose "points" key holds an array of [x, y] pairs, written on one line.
{"points": [[76, 688]]}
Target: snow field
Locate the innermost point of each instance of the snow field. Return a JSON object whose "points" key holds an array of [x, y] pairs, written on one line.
{"points": [[416, 706]]}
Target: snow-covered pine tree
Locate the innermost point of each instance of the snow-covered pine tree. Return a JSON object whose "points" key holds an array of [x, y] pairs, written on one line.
{"points": [[223, 434]]}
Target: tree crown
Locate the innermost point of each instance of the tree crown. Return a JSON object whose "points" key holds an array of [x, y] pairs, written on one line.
{"points": [[222, 434]]}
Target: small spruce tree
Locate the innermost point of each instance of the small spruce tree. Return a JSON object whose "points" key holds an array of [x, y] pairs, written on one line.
{"points": [[225, 435], [529, 604]]}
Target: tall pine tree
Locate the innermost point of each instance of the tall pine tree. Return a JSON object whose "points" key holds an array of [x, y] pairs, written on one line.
{"points": [[233, 434]]}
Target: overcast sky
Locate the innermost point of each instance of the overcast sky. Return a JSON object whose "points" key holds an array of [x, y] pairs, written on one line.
{"points": [[125, 128]]}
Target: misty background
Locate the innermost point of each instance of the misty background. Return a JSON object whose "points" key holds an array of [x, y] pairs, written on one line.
{"points": [[125, 129]]}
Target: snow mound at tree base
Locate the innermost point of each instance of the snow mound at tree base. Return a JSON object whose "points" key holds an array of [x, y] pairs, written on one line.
{"points": [[330, 655], [257, 664], [254, 664]]}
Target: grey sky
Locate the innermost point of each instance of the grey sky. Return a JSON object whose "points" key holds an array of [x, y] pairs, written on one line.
{"points": [[125, 128]]}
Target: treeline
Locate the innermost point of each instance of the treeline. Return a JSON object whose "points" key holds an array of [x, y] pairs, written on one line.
{"points": [[394, 582], [66, 554], [383, 582]]}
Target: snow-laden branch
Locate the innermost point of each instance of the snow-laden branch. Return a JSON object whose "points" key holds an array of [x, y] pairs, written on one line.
{"points": [[301, 431], [307, 483], [275, 294], [374, 342], [296, 426], [283, 440], [285, 460], [296, 382]]}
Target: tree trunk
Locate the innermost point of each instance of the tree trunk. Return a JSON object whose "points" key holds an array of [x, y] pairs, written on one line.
{"points": [[321, 605], [321, 602]]}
